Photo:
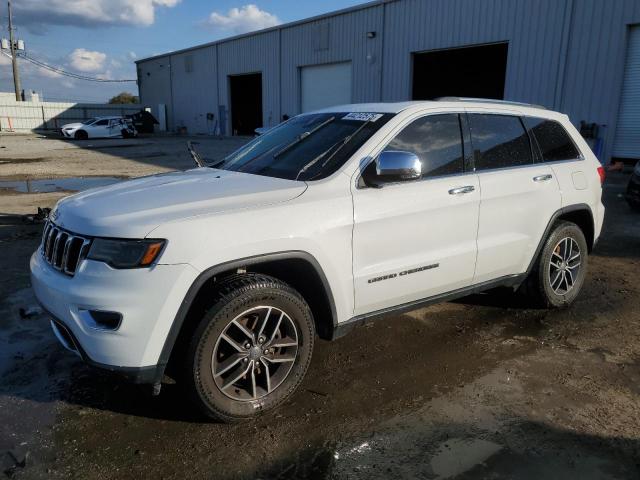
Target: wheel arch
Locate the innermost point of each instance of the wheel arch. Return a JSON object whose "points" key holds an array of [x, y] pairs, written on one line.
{"points": [[580, 214], [297, 268]]}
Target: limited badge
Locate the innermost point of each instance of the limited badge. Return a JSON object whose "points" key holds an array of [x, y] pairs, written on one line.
{"points": [[362, 116]]}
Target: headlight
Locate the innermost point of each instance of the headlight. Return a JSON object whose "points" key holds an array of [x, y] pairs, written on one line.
{"points": [[637, 169], [125, 253]]}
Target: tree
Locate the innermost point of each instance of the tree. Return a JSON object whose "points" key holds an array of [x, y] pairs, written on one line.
{"points": [[124, 97]]}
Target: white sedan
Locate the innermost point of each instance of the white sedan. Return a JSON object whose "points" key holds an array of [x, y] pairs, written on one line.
{"points": [[99, 127]]}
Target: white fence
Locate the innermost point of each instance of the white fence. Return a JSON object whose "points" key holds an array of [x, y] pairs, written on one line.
{"points": [[29, 116]]}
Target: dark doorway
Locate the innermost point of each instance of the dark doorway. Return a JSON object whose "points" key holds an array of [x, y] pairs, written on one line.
{"points": [[246, 103], [461, 72]]}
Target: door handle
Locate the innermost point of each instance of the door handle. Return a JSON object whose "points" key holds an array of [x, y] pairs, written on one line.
{"points": [[543, 178], [462, 190]]}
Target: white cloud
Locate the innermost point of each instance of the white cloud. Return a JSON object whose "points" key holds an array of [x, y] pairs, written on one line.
{"points": [[86, 60], [87, 13], [244, 19]]}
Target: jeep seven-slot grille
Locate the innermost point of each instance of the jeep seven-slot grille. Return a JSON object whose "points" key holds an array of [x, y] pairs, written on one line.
{"points": [[63, 250]]}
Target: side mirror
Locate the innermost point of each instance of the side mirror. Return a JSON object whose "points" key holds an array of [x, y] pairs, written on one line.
{"points": [[398, 166]]}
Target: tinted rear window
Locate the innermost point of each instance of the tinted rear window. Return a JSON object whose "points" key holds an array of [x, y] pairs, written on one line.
{"points": [[437, 141], [500, 141], [554, 141]]}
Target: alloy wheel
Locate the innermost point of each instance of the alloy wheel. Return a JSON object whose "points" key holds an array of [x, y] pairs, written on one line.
{"points": [[255, 353], [564, 266]]}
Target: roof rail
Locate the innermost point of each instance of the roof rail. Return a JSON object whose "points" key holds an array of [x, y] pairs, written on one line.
{"points": [[488, 100]]}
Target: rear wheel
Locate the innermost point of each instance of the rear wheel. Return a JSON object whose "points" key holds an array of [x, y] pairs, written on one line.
{"points": [[251, 349], [81, 135], [560, 269]]}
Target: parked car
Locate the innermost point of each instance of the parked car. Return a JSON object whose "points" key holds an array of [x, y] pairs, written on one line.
{"points": [[633, 189], [100, 127], [223, 275]]}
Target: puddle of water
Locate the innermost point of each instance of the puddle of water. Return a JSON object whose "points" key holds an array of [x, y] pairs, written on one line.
{"points": [[21, 161], [458, 455], [68, 184]]}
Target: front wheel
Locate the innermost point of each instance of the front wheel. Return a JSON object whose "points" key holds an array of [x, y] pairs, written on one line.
{"points": [[560, 269], [81, 135], [251, 349]]}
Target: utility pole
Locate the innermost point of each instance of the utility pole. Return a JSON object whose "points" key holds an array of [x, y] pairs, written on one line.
{"points": [[14, 59]]}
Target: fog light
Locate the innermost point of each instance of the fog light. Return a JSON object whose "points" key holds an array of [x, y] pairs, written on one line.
{"points": [[106, 320]]}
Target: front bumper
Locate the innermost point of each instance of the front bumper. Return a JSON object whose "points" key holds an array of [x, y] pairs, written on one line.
{"points": [[147, 298]]}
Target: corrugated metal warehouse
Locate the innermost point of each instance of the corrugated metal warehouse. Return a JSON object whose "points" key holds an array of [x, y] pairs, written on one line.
{"points": [[581, 57]]}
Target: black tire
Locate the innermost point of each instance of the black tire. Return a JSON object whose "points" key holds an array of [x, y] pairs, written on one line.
{"points": [[538, 286], [81, 135], [234, 297]]}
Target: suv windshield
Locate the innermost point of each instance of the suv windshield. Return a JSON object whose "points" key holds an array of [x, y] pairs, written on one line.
{"points": [[307, 147]]}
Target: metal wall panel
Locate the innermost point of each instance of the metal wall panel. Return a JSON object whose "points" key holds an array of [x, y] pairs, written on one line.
{"points": [[347, 41], [627, 138], [154, 83], [592, 83], [565, 54], [253, 54], [533, 30], [195, 90]]}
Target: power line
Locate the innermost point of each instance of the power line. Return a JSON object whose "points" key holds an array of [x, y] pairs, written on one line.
{"points": [[60, 71], [77, 76]]}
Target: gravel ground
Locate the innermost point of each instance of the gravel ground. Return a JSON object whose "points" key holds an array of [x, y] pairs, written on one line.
{"points": [[480, 388], [30, 157]]}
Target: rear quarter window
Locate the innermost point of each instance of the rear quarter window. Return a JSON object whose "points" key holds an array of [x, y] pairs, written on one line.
{"points": [[553, 140]]}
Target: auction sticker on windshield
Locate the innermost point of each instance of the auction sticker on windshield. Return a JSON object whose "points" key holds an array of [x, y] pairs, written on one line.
{"points": [[362, 116]]}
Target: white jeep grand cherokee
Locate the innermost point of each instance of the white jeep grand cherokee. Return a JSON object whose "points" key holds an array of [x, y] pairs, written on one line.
{"points": [[224, 275]]}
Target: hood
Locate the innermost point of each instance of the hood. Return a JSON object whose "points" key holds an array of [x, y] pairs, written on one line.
{"points": [[131, 209], [72, 125]]}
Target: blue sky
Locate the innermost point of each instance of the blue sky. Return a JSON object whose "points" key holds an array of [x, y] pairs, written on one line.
{"points": [[102, 38]]}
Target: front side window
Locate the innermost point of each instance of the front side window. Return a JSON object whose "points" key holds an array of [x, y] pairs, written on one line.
{"points": [[500, 141], [437, 141], [101, 123], [306, 147], [554, 141]]}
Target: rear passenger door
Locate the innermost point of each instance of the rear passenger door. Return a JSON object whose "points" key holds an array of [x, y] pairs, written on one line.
{"points": [[557, 150], [115, 127], [518, 195]]}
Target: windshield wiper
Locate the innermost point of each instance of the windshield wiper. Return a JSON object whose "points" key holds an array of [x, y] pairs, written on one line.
{"points": [[195, 155], [338, 146], [302, 136]]}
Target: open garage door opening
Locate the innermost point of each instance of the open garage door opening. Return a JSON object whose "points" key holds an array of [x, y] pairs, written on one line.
{"points": [[246, 103], [461, 72]]}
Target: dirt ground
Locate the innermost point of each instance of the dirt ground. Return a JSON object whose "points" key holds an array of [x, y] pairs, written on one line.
{"points": [[480, 388]]}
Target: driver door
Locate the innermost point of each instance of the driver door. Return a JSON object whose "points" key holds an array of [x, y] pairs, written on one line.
{"points": [[416, 239]]}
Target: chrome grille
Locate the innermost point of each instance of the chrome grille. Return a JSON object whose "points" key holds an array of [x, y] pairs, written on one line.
{"points": [[63, 250]]}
